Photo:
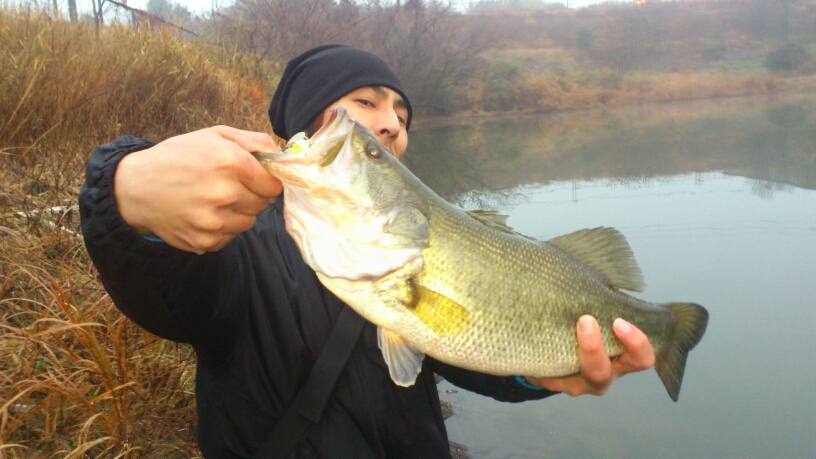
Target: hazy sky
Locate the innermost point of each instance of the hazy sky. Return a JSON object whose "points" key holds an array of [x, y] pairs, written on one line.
{"points": [[204, 6]]}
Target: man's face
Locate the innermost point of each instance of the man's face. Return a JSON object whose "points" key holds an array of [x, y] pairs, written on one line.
{"points": [[381, 110]]}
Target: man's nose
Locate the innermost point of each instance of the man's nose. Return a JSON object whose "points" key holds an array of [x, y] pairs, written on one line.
{"points": [[388, 127]]}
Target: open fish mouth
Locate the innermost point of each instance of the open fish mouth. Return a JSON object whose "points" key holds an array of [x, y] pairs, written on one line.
{"points": [[331, 125], [321, 149]]}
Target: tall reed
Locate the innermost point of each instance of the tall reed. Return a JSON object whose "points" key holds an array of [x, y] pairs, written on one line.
{"points": [[77, 379]]}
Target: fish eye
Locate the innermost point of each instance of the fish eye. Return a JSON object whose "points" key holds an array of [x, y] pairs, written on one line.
{"points": [[373, 152]]}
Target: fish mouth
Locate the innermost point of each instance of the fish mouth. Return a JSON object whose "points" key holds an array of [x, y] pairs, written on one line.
{"points": [[335, 120], [321, 149], [330, 139]]}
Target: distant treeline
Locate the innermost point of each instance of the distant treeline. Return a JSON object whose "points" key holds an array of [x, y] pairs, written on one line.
{"points": [[433, 48], [453, 61], [660, 34], [515, 5], [529, 54], [504, 55]]}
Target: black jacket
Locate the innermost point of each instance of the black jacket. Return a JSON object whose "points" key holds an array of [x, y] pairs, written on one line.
{"points": [[257, 318]]}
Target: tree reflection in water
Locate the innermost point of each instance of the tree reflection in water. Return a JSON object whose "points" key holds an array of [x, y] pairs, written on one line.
{"points": [[486, 163]]}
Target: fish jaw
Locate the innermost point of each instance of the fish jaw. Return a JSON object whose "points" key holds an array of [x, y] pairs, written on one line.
{"points": [[307, 167]]}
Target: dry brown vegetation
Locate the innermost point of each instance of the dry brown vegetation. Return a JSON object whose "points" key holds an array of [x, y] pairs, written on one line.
{"points": [[661, 51], [435, 50], [506, 58], [76, 378]]}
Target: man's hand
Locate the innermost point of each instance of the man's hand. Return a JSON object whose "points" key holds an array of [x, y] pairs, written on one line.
{"points": [[199, 190], [597, 370]]}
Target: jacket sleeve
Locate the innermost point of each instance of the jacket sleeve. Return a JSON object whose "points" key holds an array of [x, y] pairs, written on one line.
{"points": [[171, 293], [501, 388]]}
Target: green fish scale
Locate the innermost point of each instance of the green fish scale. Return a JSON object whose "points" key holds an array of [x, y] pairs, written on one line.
{"points": [[524, 299]]}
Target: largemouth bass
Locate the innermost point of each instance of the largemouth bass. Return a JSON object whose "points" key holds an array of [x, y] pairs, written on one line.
{"points": [[461, 287]]}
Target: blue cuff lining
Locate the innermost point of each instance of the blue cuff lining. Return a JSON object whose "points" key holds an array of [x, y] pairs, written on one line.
{"points": [[154, 239], [524, 383]]}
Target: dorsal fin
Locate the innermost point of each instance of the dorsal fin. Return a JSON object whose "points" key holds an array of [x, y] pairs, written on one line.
{"points": [[494, 220], [490, 215], [606, 251]]}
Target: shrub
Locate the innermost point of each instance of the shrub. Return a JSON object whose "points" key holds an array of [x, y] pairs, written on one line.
{"points": [[788, 58], [714, 53], [584, 38], [502, 92]]}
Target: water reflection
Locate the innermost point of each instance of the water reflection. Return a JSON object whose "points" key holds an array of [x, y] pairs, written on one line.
{"points": [[767, 139], [718, 201]]}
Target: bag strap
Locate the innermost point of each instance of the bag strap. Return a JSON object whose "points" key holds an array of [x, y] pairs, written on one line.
{"points": [[310, 401]]}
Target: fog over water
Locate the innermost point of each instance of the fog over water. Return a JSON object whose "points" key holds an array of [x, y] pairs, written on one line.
{"points": [[718, 201]]}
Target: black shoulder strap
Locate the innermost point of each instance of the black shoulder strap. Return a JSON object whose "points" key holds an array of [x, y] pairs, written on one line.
{"points": [[309, 403]]}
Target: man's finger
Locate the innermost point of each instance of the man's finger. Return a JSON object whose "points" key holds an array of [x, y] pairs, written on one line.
{"points": [[248, 140], [256, 178], [596, 367], [179, 243], [250, 172], [570, 385], [237, 223], [639, 353], [249, 203]]}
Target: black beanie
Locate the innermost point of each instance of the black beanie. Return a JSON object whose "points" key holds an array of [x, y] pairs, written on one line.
{"points": [[317, 78]]}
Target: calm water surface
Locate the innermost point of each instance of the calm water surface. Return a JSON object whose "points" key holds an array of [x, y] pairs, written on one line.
{"points": [[718, 201]]}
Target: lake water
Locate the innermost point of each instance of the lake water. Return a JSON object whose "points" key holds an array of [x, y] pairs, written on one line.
{"points": [[718, 201]]}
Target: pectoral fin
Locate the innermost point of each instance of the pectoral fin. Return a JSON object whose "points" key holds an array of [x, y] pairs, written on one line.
{"points": [[404, 362], [441, 314]]}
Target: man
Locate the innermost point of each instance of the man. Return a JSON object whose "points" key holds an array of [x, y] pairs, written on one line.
{"points": [[188, 247]]}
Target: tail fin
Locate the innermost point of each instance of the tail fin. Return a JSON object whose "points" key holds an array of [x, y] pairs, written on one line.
{"points": [[692, 320]]}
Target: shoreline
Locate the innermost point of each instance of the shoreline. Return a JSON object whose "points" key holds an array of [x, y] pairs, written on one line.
{"points": [[460, 118]]}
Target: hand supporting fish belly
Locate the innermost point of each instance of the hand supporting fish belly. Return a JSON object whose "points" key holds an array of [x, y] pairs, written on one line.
{"points": [[461, 286]]}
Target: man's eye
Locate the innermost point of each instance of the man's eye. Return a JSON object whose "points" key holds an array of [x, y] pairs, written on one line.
{"points": [[401, 120], [366, 102]]}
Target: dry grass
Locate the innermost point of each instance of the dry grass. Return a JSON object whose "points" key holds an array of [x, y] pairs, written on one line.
{"points": [[76, 378]]}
